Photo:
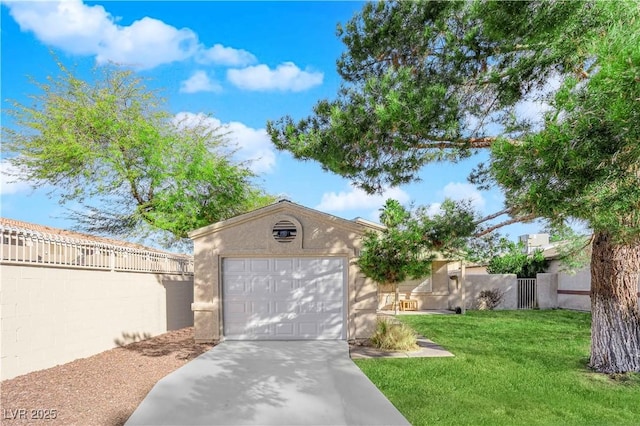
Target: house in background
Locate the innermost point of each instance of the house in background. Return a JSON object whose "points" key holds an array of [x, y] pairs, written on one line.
{"points": [[557, 287]]}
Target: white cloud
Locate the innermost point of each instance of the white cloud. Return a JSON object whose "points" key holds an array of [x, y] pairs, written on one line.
{"points": [[253, 145], [147, 43], [434, 209], [222, 55], [90, 30], [10, 182], [81, 29], [458, 191], [356, 199], [463, 191], [286, 77], [69, 25], [199, 82]]}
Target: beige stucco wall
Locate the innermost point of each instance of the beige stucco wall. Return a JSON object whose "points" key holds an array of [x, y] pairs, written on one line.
{"points": [[432, 292], [442, 290], [580, 281], [547, 290], [250, 235], [52, 315], [573, 288], [507, 283]]}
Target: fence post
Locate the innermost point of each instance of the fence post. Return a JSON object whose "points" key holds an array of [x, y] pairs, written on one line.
{"points": [[463, 285], [112, 258]]}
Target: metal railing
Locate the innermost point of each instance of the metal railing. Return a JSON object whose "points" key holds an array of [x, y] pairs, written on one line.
{"points": [[527, 293], [23, 246]]}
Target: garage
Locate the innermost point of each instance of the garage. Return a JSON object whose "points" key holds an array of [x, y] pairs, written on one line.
{"points": [[282, 272], [283, 298]]}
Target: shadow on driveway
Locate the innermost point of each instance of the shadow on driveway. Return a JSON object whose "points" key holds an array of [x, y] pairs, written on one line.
{"points": [[268, 383]]}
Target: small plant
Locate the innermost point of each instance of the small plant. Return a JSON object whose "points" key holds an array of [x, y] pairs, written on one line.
{"points": [[488, 300], [394, 336]]}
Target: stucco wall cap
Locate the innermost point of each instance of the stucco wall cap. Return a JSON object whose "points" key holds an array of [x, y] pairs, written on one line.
{"points": [[280, 207]]}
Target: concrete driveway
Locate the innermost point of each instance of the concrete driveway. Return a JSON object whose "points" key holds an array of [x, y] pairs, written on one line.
{"points": [[268, 383]]}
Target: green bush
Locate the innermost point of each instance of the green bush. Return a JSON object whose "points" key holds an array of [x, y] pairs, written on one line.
{"points": [[394, 336], [515, 261]]}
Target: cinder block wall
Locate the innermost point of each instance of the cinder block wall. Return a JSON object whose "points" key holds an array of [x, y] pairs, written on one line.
{"points": [[51, 316]]}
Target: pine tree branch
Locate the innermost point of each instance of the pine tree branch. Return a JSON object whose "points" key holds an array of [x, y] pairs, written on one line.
{"points": [[505, 223], [476, 143], [493, 216]]}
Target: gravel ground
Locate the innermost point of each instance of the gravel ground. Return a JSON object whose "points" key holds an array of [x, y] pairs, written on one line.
{"points": [[103, 389]]}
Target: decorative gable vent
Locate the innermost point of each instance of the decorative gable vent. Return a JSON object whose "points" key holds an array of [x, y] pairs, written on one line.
{"points": [[284, 231]]}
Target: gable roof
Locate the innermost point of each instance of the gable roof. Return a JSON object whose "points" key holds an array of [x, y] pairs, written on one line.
{"points": [[283, 206]]}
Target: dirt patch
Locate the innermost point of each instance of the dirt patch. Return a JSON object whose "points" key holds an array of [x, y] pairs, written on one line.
{"points": [[103, 389]]}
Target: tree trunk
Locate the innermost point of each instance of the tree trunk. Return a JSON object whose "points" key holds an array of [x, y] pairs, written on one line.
{"points": [[615, 323], [397, 296]]}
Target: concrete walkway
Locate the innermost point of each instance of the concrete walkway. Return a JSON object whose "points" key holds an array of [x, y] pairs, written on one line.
{"points": [[427, 349], [268, 383]]}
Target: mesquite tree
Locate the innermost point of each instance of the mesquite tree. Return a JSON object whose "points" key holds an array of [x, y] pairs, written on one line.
{"points": [[434, 81], [109, 145]]}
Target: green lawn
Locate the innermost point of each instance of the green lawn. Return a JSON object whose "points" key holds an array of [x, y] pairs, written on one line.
{"points": [[510, 368]]}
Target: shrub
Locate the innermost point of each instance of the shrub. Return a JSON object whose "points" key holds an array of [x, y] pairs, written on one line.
{"points": [[394, 336], [515, 261], [488, 300]]}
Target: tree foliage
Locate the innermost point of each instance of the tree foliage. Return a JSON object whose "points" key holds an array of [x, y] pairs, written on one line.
{"points": [[515, 260], [585, 161], [411, 240], [397, 252], [424, 82], [429, 81], [111, 147]]}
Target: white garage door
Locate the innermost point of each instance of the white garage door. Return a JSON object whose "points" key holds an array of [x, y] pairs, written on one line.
{"points": [[283, 298]]}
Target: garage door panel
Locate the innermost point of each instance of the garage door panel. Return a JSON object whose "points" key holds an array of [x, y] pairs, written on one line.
{"points": [[235, 265], [319, 266], [285, 330], [284, 298], [235, 328], [259, 265], [309, 329], [285, 308], [233, 307], [309, 307], [238, 286], [284, 286], [284, 264]]}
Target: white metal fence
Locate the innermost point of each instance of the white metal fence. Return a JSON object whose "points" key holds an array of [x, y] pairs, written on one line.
{"points": [[527, 293], [22, 246]]}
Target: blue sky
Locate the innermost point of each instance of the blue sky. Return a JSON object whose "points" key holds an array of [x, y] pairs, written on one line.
{"points": [[241, 62]]}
